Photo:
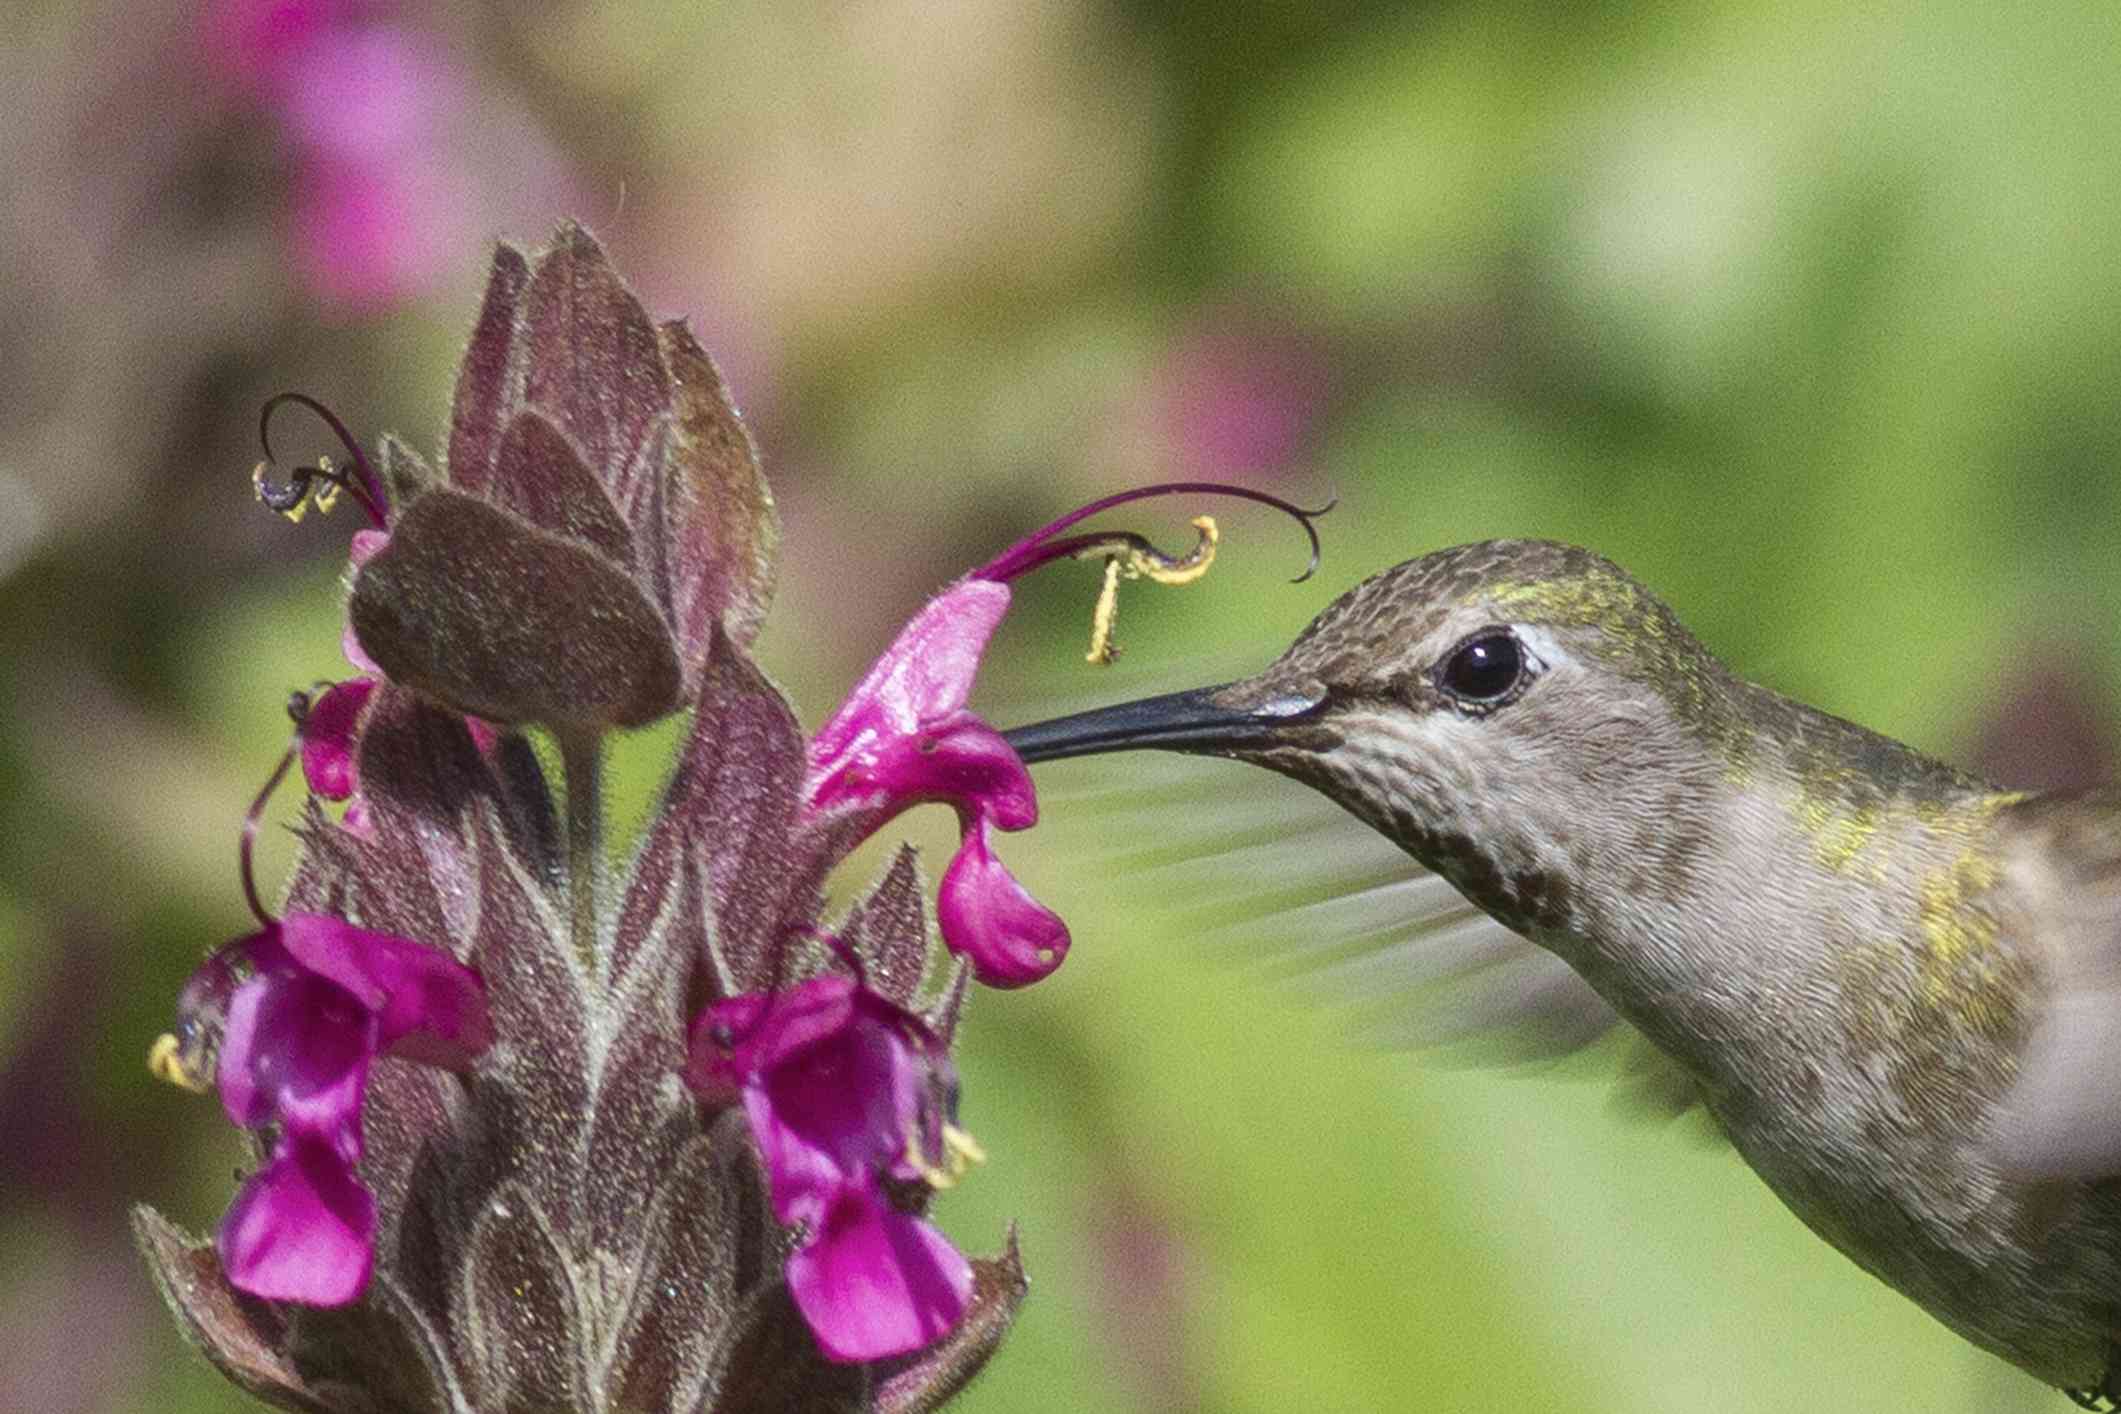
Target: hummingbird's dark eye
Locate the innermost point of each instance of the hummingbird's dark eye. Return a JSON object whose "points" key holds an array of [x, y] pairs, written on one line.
{"points": [[1484, 670]]}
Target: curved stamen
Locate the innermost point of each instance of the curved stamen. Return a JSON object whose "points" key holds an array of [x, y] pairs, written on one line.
{"points": [[302, 489], [1125, 545], [1130, 555], [250, 835], [1041, 546], [286, 497]]}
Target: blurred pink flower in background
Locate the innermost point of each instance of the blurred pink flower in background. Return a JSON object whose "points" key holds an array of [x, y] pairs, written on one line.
{"points": [[399, 162], [1238, 395]]}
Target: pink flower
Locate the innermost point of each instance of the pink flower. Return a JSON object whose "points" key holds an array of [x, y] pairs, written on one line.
{"points": [[597, 555], [905, 736], [322, 999], [849, 1096], [1239, 396], [846, 1094]]}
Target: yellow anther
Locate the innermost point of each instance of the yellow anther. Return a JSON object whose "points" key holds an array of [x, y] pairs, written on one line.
{"points": [[960, 1152], [326, 495], [936, 1176], [964, 1150], [1139, 560], [165, 1061], [1187, 567], [1102, 649], [294, 513]]}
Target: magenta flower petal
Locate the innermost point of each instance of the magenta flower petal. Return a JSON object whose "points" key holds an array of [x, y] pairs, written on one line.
{"points": [[904, 737], [737, 1040], [427, 1006], [874, 1282], [922, 678], [839, 1086], [366, 545], [296, 1053], [831, 1078], [329, 732], [987, 917], [484, 735], [301, 1229], [958, 760], [327, 737]]}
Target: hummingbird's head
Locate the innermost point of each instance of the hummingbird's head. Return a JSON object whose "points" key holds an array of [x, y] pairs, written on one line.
{"points": [[1502, 710]]}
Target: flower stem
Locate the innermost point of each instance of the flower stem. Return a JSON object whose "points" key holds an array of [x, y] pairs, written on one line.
{"points": [[581, 761]]}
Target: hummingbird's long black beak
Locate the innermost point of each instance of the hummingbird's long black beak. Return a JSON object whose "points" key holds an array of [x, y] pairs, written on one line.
{"points": [[1197, 721]]}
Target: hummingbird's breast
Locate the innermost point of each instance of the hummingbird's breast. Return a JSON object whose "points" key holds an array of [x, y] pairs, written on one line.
{"points": [[1865, 968]]}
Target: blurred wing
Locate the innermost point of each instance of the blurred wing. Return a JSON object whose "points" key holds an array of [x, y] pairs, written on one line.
{"points": [[2062, 1115], [1284, 882]]}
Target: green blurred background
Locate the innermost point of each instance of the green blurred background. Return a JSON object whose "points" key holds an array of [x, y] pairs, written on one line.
{"points": [[1808, 314]]}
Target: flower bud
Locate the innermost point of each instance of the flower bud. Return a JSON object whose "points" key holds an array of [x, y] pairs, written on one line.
{"points": [[602, 511]]}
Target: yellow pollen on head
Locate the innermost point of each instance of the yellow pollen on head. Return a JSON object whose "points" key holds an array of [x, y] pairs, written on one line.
{"points": [[165, 1061], [1584, 600]]}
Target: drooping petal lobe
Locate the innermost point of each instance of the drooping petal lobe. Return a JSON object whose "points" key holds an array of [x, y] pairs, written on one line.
{"points": [[874, 1282], [301, 1229], [987, 917]]}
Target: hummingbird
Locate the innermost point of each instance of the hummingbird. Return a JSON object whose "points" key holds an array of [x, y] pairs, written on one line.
{"points": [[1895, 988]]}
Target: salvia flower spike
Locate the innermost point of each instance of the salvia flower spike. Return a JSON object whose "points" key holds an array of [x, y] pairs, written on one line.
{"points": [[534, 1131], [480, 1181]]}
